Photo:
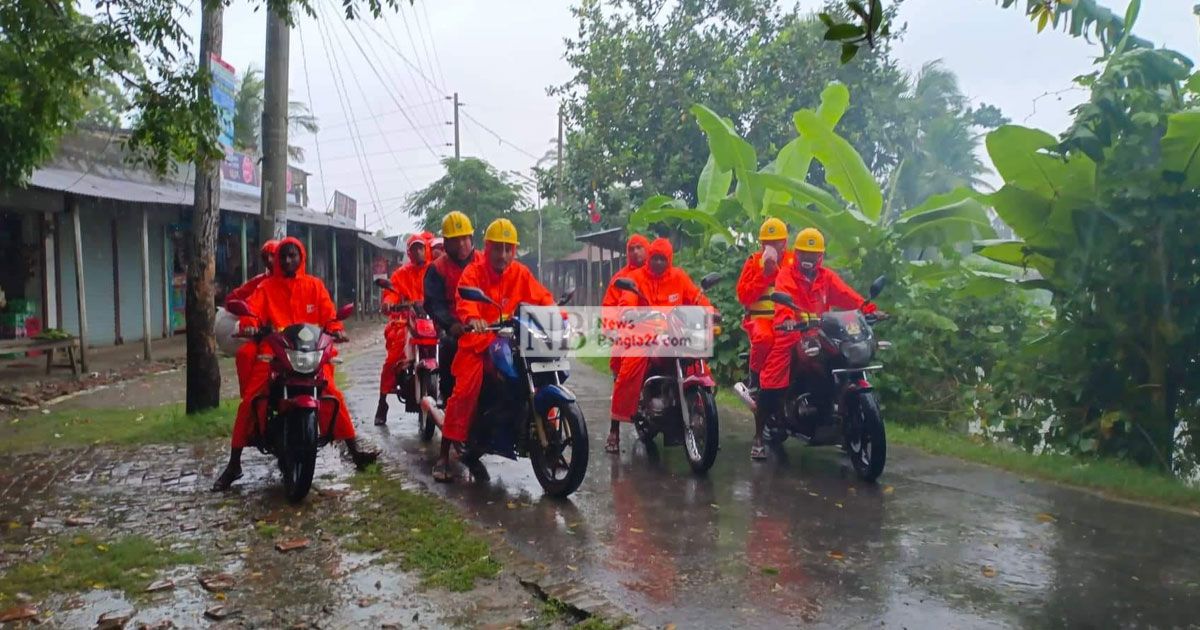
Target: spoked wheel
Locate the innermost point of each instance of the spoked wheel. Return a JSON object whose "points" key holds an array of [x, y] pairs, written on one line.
{"points": [[867, 442], [701, 435], [427, 385], [298, 458], [561, 463]]}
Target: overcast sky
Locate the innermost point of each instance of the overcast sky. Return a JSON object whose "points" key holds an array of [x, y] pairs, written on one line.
{"points": [[379, 87]]}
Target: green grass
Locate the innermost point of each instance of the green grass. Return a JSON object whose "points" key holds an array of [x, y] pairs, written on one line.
{"points": [[419, 532], [83, 563], [555, 613], [600, 364], [1108, 477], [167, 424]]}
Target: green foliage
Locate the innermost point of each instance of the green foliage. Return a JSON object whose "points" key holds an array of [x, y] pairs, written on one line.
{"points": [[247, 116], [84, 563], [1106, 219], [470, 185], [82, 427]]}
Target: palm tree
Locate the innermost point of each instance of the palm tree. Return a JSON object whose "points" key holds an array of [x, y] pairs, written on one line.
{"points": [[247, 118]]}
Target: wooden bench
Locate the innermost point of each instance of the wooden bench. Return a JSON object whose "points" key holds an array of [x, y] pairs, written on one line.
{"points": [[71, 346]]}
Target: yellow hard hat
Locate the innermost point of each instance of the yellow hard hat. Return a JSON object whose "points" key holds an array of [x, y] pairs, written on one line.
{"points": [[501, 231], [772, 230], [456, 224], [810, 240]]}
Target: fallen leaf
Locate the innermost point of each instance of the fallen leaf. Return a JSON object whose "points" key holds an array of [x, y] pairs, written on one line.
{"points": [[79, 521], [571, 568], [512, 505], [102, 548], [161, 585], [714, 506], [415, 530], [161, 624], [769, 571], [14, 525], [988, 571], [285, 546], [114, 620], [838, 504], [889, 489], [218, 612], [837, 555], [635, 530], [217, 582], [365, 601], [18, 613], [813, 494], [1045, 518]]}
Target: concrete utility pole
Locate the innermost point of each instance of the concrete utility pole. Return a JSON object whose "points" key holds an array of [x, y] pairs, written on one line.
{"points": [[559, 164], [457, 146], [273, 222], [203, 372]]}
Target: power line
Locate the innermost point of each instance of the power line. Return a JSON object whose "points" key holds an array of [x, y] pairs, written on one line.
{"points": [[317, 135], [387, 67], [437, 101], [497, 136], [424, 44], [377, 153], [432, 43], [339, 85], [378, 133]]}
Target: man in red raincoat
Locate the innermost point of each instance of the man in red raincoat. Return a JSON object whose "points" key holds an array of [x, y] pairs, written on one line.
{"points": [[754, 289], [635, 255], [815, 290], [662, 284], [290, 296], [408, 284], [248, 353], [441, 291], [508, 283]]}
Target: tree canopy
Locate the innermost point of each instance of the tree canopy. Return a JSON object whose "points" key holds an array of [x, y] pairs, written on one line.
{"points": [[469, 185]]}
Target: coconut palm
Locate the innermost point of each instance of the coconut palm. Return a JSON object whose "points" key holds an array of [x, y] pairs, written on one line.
{"points": [[247, 118]]}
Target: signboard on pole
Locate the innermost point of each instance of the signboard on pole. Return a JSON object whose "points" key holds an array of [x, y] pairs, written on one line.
{"points": [[345, 206], [224, 87]]}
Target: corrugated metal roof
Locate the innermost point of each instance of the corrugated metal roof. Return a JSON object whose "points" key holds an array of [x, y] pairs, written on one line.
{"points": [[377, 242]]}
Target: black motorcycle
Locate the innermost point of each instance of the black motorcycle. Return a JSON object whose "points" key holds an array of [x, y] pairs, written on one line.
{"points": [[296, 400], [830, 401], [417, 377], [525, 410], [677, 397]]}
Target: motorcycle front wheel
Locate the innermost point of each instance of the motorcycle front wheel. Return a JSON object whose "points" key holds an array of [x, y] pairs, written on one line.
{"points": [[427, 383], [701, 434], [298, 457], [867, 443], [561, 463]]}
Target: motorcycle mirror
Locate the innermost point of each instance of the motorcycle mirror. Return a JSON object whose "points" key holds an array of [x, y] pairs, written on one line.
{"points": [[474, 294], [783, 298], [384, 283], [626, 284], [239, 308], [345, 312], [567, 297], [709, 280], [877, 286]]}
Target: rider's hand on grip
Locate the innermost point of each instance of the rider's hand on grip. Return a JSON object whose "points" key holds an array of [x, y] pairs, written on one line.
{"points": [[339, 336], [477, 325]]}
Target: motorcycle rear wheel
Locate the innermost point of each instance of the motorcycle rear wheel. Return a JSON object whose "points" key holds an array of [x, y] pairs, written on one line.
{"points": [[298, 457], [701, 433], [867, 440], [558, 473], [428, 384]]}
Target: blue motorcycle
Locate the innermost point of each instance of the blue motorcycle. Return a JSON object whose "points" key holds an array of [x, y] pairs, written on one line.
{"points": [[525, 411]]}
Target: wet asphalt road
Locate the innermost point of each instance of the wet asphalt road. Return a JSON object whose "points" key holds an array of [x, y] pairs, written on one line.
{"points": [[798, 540]]}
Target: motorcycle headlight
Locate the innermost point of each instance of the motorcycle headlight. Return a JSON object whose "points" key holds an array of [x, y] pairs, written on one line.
{"points": [[304, 362], [856, 352]]}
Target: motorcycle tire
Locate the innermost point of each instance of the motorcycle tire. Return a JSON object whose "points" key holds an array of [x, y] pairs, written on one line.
{"points": [[571, 433], [701, 431], [298, 458], [868, 440], [428, 384]]}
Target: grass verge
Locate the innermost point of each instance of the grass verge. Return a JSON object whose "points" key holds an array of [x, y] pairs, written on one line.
{"points": [[555, 613], [80, 427], [1112, 478], [83, 563], [419, 532]]}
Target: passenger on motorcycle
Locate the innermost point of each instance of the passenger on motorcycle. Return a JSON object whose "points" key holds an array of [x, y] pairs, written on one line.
{"points": [[662, 284], [441, 292], [754, 289], [815, 290], [290, 296], [247, 354], [408, 283], [438, 247], [635, 254], [508, 283]]}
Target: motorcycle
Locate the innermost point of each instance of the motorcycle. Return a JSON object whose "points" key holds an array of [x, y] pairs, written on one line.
{"points": [[830, 400], [677, 397], [525, 411], [295, 401], [417, 376]]}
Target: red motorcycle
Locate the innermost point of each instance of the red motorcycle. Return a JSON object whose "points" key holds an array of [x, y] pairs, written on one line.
{"points": [[417, 375], [295, 402]]}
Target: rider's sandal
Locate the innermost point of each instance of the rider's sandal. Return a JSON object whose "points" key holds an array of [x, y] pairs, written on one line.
{"points": [[441, 473], [758, 451], [613, 445], [478, 471], [228, 476]]}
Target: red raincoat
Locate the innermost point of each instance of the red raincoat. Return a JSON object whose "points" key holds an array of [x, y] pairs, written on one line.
{"points": [[612, 295], [409, 283]]}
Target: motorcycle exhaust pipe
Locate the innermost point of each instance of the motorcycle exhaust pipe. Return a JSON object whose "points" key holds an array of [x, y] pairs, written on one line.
{"points": [[743, 392], [429, 405]]}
